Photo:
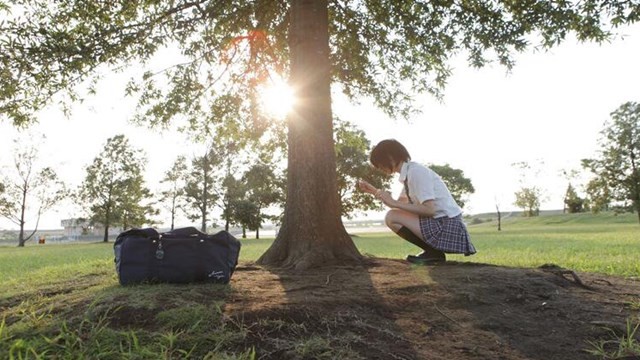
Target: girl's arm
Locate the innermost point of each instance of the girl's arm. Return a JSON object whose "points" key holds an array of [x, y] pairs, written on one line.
{"points": [[403, 197], [427, 208]]}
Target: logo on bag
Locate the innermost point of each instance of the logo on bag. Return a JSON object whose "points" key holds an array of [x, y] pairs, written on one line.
{"points": [[217, 275]]}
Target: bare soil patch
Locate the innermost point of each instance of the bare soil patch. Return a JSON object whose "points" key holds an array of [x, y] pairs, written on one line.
{"points": [[390, 309]]}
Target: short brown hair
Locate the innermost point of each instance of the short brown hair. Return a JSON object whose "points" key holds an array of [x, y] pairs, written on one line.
{"points": [[387, 152]]}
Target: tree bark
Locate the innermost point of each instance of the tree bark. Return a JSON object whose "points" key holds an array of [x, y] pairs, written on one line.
{"points": [[107, 222], [312, 232], [203, 225], [23, 208], [105, 237]]}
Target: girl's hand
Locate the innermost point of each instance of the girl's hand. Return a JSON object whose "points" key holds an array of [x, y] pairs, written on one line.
{"points": [[386, 198], [366, 187]]}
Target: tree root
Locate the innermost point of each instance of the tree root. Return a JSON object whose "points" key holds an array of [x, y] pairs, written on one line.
{"points": [[561, 272], [445, 315]]}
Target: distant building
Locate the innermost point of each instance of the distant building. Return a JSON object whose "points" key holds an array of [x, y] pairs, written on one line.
{"points": [[78, 227]]}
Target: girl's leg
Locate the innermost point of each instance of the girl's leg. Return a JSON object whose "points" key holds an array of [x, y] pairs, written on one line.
{"points": [[396, 219], [407, 226]]}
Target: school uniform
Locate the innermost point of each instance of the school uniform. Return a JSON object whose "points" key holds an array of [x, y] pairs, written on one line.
{"points": [[444, 231]]}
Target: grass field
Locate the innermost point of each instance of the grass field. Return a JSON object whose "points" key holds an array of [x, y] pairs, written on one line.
{"points": [[603, 243], [35, 283]]}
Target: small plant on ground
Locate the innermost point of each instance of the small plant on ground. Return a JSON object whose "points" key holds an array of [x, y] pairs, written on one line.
{"points": [[624, 346]]}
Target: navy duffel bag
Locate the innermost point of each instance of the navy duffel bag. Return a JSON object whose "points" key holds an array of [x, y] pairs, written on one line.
{"points": [[179, 256]]}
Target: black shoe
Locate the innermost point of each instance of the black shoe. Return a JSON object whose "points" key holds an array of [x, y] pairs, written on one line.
{"points": [[425, 258]]}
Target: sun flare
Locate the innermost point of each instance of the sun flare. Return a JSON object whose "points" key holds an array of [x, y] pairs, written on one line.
{"points": [[277, 98]]}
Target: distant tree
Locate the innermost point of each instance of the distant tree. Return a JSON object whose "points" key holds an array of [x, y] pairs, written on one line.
{"points": [[530, 196], [264, 188], [174, 188], [3, 202], [200, 191], [234, 191], [352, 161], [228, 190], [458, 184], [572, 202], [247, 215], [618, 163], [29, 191], [570, 176], [528, 199], [113, 190], [136, 207], [598, 195]]}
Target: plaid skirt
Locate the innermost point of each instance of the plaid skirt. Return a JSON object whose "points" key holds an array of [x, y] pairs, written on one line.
{"points": [[447, 234]]}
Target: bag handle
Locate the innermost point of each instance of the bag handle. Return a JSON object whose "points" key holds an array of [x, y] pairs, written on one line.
{"points": [[150, 233], [189, 231]]}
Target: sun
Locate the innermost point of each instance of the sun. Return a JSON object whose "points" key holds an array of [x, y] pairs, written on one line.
{"points": [[277, 98]]}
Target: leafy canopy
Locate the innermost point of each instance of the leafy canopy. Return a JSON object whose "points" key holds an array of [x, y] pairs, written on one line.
{"points": [[459, 185], [528, 199], [215, 53], [617, 167], [200, 190], [113, 190], [352, 164]]}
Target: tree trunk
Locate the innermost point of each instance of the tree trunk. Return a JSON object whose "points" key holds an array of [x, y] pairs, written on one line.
{"points": [[312, 232], [173, 212], [636, 204], [203, 219], [107, 220], [23, 208], [205, 192], [21, 240]]}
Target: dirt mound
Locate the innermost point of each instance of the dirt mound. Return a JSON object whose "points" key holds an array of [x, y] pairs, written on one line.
{"points": [[389, 309]]}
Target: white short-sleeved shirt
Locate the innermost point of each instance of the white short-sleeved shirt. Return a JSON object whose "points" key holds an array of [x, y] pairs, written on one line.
{"points": [[424, 184]]}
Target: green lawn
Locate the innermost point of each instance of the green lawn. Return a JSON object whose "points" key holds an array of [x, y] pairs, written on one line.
{"points": [[601, 243], [57, 301]]}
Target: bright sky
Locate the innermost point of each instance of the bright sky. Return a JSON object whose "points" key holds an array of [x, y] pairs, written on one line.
{"points": [[550, 108]]}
